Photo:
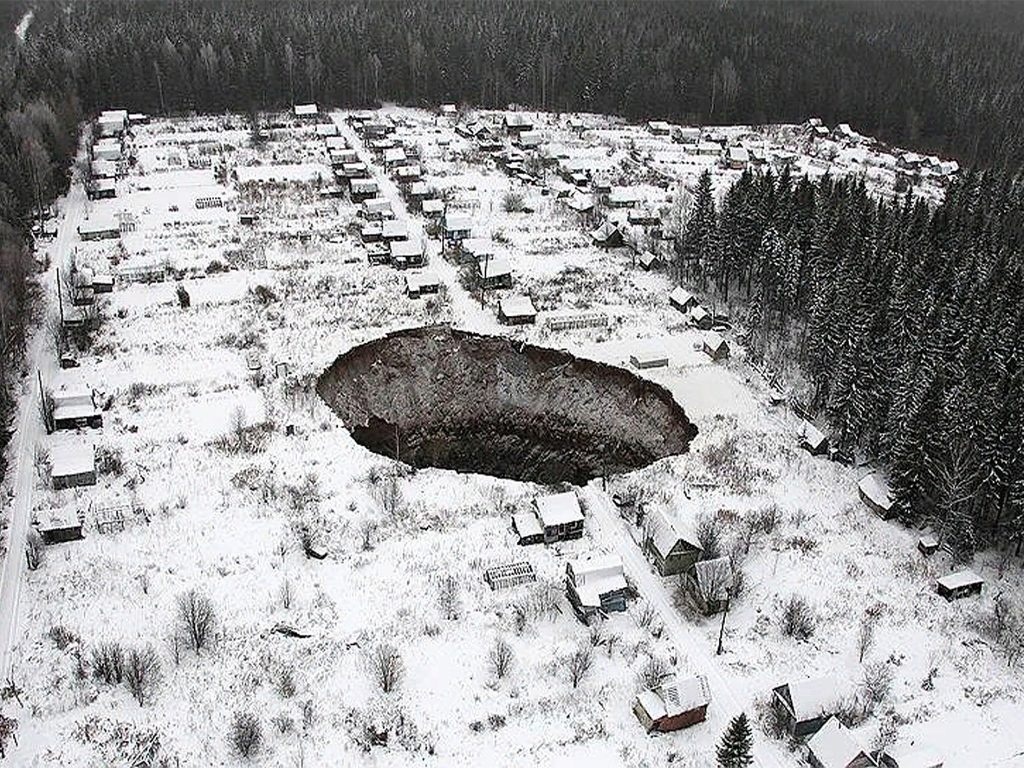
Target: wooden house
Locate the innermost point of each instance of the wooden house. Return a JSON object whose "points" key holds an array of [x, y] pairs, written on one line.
{"points": [[112, 122], [874, 491], [57, 527], [812, 439], [394, 229], [672, 551], [715, 346], [376, 208], [99, 229], [648, 260], [686, 135], [419, 283], [73, 465], [456, 227], [529, 139], [560, 516], [528, 528], [805, 705], [909, 756], [324, 130], [494, 272], [394, 157], [711, 581], [516, 123], [701, 319], [432, 208], [307, 111], [361, 190], [833, 746], [517, 310], [738, 158], [74, 407], [103, 283], [447, 110], [643, 217], [673, 704], [648, 358], [955, 586], [622, 197], [595, 586], [658, 128], [408, 173], [928, 545], [682, 299], [607, 236], [406, 253], [356, 170]]}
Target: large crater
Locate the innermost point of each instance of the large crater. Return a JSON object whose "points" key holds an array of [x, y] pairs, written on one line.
{"points": [[439, 397]]}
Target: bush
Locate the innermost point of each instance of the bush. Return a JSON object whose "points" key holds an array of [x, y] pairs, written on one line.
{"points": [[709, 537], [63, 637], [246, 735], [196, 619], [578, 665], [386, 667], [108, 662], [34, 550], [652, 672], [184, 300], [501, 658], [513, 202], [797, 619], [142, 673]]}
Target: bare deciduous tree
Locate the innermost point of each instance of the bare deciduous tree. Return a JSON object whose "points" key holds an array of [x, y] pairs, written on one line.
{"points": [[196, 619], [652, 672], [448, 596], [578, 665], [797, 619], [142, 673], [286, 593], [34, 550], [108, 662], [386, 666], [501, 658], [246, 735]]}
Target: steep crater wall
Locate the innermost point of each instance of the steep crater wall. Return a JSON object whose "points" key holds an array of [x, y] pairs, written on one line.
{"points": [[439, 397]]}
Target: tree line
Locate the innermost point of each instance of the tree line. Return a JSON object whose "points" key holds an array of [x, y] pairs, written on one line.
{"points": [[906, 325]]}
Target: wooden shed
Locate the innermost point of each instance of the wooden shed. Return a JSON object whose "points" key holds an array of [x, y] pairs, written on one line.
{"points": [[671, 551], [715, 346], [73, 465], [560, 516], [60, 526], [806, 704], [673, 704], [812, 439], [961, 584], [875, 493], [494, 272], [682, 299], [528, 528], [648, 358], [517, 310], [607, 236], [833, 746]]}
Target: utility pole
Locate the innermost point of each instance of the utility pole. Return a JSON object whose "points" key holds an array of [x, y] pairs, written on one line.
{"points": [[60, 302], [483, 284], [721, 630]]}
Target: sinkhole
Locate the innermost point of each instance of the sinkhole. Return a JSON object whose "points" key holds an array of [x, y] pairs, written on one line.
{"points": [[441, 397]]}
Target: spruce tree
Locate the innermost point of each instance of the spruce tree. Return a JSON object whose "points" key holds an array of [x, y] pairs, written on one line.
{"points": [[734, 751]]}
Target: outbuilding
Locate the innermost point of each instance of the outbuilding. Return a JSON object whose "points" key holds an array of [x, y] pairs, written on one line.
{"points": [[560, 516], [528, 528], [682, 299], [607, 236], [673, 704], [517, 310], [649, 358], [874, 491], [715, 346], [432, 208], [648, 260], [377, 208], [307, 111], [73, 465], [406, 253], [494, 272], [955, 586], [361, 190], [420, 283], [701, 319], [739, 157], [658, 127], [517, 123], [59, 526], [99, 229], [671, 550], [833, 746], [456, 227], [812, 439], [595, 585], [74, 407], [805, 705], [509, 575]]}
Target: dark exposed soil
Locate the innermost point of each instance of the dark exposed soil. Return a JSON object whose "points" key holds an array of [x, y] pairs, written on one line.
{"points": [[439, 397]]}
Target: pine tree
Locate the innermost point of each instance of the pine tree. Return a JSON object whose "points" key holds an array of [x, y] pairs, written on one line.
{"points": [[734, 750]]}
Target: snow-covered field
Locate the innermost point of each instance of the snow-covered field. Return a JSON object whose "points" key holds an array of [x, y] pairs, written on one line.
{"points": [[220, 452]]}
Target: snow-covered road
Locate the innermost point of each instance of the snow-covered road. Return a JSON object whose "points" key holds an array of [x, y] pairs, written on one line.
{"points": [[28, 432]]}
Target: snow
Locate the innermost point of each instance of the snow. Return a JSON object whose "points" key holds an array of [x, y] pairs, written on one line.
{"points": [[959, 580], [73, 458], [559, 509], [834, 746], [813, 696]]}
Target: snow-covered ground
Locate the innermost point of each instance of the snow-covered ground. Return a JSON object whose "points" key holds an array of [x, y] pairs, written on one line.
{"points": [[294, 288]]}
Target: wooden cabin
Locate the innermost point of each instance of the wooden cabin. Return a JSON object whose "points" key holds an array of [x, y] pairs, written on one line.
{"points": [[517, 310], [715, 346], [805, 705], [649, 358], [494, 272], [73, 465], [560, 516], [682, 299], [834, 746], [813, 440], [673, 704], [595, 586], [58, 527], [671, 551], [955, 586], [875, 493]]}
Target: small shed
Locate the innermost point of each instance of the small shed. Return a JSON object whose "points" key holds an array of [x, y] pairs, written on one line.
{"points": [[806, 704], [394, 157], [477, 248], [74, 407], [326, 129], [648, 260], [715, 346], [517, 310], [874, 491], [649, 358], [643, 217], [812, 439], [579, 202], [432, 208], [448, 110], [516, 123], [363, 189], [623, 197], [529, 139], [528, 528], [377, 208], [409, 173], [595, 585], [457, 226], [103, 283], [701, 319], [673, 704], [928, 545], [306, 111], [682, 299], [509, 575], [672, 551], [560, 516], [739, 157], [833, 746], [73, 465], [406, 253], [961, 584], [658, 127]]}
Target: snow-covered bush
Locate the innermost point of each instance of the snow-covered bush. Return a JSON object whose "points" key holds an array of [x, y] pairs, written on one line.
{"points": [[385, 666], [245, 735], [142, 673], [797, 619]]}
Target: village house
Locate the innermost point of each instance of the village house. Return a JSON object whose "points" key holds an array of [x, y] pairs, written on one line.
{"points": [[103, 283], [622, 197], [607, 236], [672, 551], [516, 123], [805, 705], [648, 260], [74, 406], [955, 586], [595, 585], [456, 228], [738, 158], [529, 139], [494, 272], [701, 319], [579, 202], [408, 174], [101, 189], [447, 110], [406, 253], [361, 190], [673, 704], [103, 169], [394, 229], [72, 465], [560, 516], [708, 148], [710, 582], [517, 310], [371, 232], [684, 135], [394, 157], [928, 544], [376, 209], [112, 122], [682, 299], [874, 491], [59, 526], [833, 746], [432, 208], [99, 229], [323, 130], [419, 283], [356, 170], [307, 111], [658, 128], [107, 149], [643, 217], [715, 346]]}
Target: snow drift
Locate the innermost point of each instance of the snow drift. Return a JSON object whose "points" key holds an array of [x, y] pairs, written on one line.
{"points": [[440, 397]]}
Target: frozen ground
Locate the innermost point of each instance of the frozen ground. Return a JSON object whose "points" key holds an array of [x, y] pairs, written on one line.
{"points": [[295, 288]]}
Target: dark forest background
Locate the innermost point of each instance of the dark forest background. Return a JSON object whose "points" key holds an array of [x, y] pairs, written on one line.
{"points": [[906, 321]]}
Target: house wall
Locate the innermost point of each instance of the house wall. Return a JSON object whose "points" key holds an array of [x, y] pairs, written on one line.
{"points": [[74, 481], [684, 720]]}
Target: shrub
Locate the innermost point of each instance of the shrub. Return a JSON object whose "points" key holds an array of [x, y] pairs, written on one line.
{"points": [[797, 619], [709, 537], [62, 636], [184, 300], [578, 665], [196, 619], [246, 735], [501, 658], [108, 662], [652, 672], [386, 666], [34, 550], [513, 202], [142, 673], [286, 683]]}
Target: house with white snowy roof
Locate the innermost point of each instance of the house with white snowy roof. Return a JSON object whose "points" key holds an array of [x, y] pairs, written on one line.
{"points": [[807, 704], [834, 746], [595, 585], [673, 704]]}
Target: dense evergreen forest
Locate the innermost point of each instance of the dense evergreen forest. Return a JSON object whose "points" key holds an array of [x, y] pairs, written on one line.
{"points": [[907, 323], [906, 320]]}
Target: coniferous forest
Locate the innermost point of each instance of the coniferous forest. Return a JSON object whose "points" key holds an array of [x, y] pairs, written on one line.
{"points": [[905, 321]]}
